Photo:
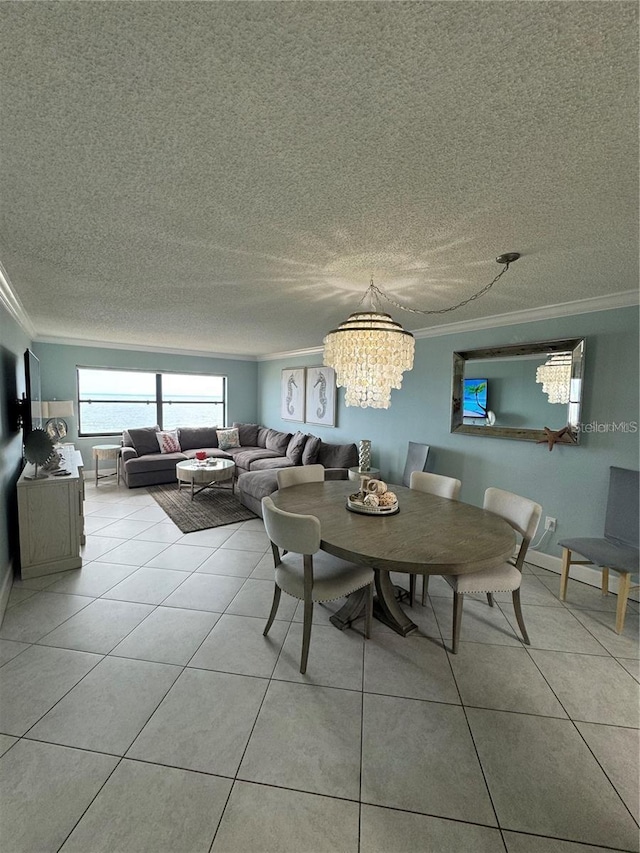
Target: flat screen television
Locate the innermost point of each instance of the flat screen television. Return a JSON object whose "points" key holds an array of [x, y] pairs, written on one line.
{"points": [[32, 417], [475, 398]]}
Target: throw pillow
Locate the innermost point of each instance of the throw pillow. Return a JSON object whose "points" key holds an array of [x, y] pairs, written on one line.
{"points": [[296, 447], [195, 438], [142, 439], [228, 438], [168, 441], [310, 452], [278, 441], [248, 434]]}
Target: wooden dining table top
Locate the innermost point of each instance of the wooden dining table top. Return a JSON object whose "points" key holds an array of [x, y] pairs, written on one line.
{"points": [[429, 535]]}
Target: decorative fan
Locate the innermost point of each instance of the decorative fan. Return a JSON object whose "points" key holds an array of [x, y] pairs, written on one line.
{"points": [[38, 449]]}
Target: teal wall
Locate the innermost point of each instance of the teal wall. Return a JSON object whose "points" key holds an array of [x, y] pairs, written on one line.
{"points": [[13, 343], [58, 364], [570, 482], [514, 396]]}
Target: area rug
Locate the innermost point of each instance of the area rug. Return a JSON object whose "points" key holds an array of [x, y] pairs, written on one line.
{"points": [[213, 507]]}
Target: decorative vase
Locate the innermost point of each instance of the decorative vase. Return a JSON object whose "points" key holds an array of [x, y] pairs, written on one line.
{"points": [[364, 455]]}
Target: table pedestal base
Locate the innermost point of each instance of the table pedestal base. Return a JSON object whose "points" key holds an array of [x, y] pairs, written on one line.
{"points": [[385, 607]]}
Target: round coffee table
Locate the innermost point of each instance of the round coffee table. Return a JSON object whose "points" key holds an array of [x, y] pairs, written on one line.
{"points": [[203, 475]]}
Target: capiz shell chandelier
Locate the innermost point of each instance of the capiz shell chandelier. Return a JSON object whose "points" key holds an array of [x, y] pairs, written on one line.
{"points": [[369, 353], [555, 377]]}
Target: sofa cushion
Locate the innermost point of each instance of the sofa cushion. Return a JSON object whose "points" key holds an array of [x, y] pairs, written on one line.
{"points": [[296, 447], [143, 439], [263, 432], [212, 453], [277, 441], [168, 441], [310, 452], [337, 455], [198, 438], [244, 457], [248, 434], [257, 484], [228, 438], [270, 464], [155, 462]]}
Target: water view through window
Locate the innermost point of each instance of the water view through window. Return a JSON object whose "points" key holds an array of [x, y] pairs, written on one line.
{"points": [[112, 400]]}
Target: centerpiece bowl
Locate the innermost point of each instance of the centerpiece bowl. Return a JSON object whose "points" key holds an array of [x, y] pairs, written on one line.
{"points": [[374, 498]]}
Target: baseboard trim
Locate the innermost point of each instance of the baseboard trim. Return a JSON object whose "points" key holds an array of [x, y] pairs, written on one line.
{"points": [[5, 590], [586, 574]]}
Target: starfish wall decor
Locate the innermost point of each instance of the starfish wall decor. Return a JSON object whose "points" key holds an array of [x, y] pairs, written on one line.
{"points": [[561, 436]]}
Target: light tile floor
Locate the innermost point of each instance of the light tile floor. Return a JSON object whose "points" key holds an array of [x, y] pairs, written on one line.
{"points": [[141, 709]]}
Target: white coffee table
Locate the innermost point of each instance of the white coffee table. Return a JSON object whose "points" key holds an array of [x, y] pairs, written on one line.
{"points": [[203, 475]]}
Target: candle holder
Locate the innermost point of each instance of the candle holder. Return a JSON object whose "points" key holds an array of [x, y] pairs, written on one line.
{"points": [[364, 455]]}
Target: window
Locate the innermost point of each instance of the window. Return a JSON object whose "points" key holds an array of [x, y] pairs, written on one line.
{"points": [[112, 400]]}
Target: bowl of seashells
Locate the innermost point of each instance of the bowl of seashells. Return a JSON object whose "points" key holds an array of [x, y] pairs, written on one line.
{"points": [[374, 498]]}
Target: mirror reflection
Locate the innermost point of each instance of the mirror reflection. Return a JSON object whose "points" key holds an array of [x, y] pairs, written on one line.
{"points": [[516, 391]]}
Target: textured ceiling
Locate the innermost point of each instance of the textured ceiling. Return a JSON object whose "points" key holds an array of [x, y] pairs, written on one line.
{"points": [[226, 177]]}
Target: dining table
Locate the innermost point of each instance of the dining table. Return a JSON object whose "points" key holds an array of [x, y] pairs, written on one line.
{"points": [[429, 535]]}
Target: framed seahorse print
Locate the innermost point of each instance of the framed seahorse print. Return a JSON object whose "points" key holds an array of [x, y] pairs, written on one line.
{"points": [[321, 396], [292, 406]]}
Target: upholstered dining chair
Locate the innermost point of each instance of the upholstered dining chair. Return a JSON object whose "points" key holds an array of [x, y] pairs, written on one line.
{"points": [[417, 455], [298, 575], [432, 484], [300, 474], [523, 515], [617, 551]]}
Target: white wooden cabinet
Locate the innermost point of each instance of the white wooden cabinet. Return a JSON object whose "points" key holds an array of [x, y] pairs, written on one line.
{"points": [[51, 519]]}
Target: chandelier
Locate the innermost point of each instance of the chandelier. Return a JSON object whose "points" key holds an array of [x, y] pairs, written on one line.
{"points": [[370, 351], [555, 377]]}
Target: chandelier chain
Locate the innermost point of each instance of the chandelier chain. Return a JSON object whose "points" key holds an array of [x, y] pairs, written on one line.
{"points": [[375, 293]]}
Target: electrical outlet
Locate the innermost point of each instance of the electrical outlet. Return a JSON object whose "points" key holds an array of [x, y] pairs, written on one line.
{"points": [[550, 523]]}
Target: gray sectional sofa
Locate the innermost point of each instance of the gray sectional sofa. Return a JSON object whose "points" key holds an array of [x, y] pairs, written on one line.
{"points": [[261, 449]]}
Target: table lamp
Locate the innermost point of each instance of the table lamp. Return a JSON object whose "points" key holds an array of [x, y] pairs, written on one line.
{"points": [[56, 410]]}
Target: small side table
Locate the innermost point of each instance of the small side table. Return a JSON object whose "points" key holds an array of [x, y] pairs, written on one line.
{"points": [[355, 473], [107, 451]]}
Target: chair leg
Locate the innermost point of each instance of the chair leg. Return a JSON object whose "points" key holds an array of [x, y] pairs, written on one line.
{"points": [[624, 585], [412, 590], [306, 634], [564, 573], [490, 599], [368, 614], [274, 609], [519, 618], [458, 599], [425, 589], [605, 580]]}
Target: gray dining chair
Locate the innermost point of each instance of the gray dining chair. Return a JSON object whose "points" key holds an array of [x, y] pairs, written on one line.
{"points": [[300, 474], [443, 487], [617, 551], [309, 579], [523, 515], [417, 455]]}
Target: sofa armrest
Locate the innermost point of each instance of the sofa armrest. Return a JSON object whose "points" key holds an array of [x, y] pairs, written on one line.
{"points": [[127, 453]]}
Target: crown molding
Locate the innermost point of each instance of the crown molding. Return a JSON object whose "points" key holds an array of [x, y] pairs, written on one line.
{"points": [[625, 299], [297, 353], [13, 305], [78, 342]]}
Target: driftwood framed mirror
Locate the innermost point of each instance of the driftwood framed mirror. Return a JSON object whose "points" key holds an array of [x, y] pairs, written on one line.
{"points": [[520, 391]]}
